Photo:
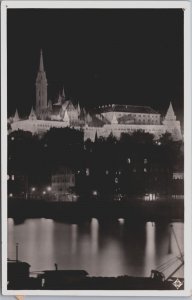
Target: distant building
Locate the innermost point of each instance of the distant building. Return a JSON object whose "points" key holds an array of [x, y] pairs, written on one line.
{"points": [[63, 184], [17, 185], [102, 121], [178, 175]]}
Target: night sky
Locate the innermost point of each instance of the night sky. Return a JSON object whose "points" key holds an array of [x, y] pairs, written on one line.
{"points": [[124, 56]]}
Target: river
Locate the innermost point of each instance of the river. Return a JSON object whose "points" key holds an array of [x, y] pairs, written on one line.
{"points": [[102, 249]]}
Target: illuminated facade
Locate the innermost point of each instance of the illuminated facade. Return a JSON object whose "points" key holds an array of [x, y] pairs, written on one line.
{"points": [[103, 120]]}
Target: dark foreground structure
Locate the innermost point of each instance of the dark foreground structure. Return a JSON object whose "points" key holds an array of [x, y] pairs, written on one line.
{"points": [[19, 278]]}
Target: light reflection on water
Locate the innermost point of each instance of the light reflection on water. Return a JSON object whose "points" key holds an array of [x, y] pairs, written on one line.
{"points": [[103, 249]]}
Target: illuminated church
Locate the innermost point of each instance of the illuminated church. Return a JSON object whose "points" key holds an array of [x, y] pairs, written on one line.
{"points": [[101, 121]]}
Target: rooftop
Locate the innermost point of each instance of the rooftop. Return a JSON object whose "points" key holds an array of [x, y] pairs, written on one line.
{"points": [[125, 108]]}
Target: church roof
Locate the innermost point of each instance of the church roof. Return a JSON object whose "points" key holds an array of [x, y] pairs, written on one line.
{"points": [[126, 108]]}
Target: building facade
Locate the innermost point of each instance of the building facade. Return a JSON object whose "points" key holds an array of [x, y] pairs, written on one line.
{"points": [[101, 121], [63, 185]]}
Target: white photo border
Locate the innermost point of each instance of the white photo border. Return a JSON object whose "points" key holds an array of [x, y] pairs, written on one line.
{"points": [[186, 6]]}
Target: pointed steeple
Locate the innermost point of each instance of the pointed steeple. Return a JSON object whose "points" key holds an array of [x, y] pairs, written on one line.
{"points": [[63, 94], [114, 119], [96, 137], [50, 104], [88, 118], [59, 101], [66, 118], [41, 65], [16, 116], [78, 109], [170, 115], [32, 115], [41, 88]]}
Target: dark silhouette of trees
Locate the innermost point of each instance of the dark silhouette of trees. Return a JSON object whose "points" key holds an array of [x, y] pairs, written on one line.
{"points": [[134, 164]]}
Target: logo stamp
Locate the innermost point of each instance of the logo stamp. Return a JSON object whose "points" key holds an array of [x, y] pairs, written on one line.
{"points": [[177, 283]]}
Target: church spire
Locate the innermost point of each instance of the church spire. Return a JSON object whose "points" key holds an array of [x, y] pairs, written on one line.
{"points": [[63, 94], [41, 65], [41, 88]]}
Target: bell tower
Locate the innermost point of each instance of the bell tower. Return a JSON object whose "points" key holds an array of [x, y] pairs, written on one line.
{"points": [[41, 88]]}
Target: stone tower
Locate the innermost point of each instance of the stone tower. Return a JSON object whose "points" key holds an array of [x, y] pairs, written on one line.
{"points": [[41, 88], [171, 124]]}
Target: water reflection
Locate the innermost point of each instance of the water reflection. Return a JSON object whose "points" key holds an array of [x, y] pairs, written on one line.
{"points": [[74, 238], [150, 248], [102, 248], [94, 236]]}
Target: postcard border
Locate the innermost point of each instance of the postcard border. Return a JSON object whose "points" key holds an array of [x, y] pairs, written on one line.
{"points": [[187, 139]]}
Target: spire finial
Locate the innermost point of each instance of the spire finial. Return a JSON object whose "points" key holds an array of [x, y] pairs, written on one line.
{"points": [[63, 93], [41, 66]]}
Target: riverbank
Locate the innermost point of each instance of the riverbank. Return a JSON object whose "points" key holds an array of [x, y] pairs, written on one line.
{"points": [[134, 210]]}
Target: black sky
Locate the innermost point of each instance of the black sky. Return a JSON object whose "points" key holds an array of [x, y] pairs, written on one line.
{"points": [[101, 56]]}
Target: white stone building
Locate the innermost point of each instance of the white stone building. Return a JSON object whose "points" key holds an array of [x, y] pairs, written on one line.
{"points": [[103, 120]]}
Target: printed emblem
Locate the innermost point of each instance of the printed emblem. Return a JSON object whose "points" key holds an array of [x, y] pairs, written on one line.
{"points": [[177, 283]]}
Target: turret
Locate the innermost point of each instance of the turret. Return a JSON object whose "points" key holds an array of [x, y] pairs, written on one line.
{"points": [[16, 116], [171, 124], [78, 109], [170, 115], [32, 115], [63, 95]]}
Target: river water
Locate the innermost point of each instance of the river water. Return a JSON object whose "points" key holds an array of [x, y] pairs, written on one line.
{"points": [[109, 249]]}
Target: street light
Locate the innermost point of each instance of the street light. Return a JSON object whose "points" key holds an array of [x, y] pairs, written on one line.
{"points": [[33, 189], [49, 188], [44, 192], [95, 193]]}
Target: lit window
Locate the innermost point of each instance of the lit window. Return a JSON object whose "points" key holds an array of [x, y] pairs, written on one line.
{"points": [[8, 177], [116, 180], [107, 172], [129, 160], [145, 170], [13, 177], [134, 170], [145, 160], [87, 172]]}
